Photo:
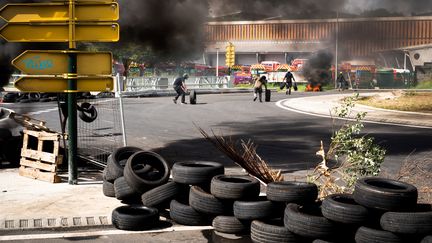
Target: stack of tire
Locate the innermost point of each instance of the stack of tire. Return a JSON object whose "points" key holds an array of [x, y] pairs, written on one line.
{"points": [[379, 210], [130, 173]]}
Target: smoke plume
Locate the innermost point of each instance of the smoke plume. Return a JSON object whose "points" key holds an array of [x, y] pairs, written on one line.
{"points": [[300, 9], [316, 69], [170, 28]]}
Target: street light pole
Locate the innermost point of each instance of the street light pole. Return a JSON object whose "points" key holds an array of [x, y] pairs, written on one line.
{"points": [[217, 62], [337, 43]]}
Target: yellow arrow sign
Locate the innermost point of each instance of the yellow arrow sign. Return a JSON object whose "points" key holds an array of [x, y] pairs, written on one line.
{"points": [[49, 12], [59, 32], [56, 62], [60, 85]]}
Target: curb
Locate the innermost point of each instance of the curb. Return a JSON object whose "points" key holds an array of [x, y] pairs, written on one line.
{"points": [[54, 223]]}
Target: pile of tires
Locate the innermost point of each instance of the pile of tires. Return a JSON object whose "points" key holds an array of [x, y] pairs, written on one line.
{"points": [[130, 173], [379, 210]]}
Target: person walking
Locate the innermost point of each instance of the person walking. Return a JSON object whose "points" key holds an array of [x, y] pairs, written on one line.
{"points": [[289, 77], [341, 81], [259, 82], [180, 88]]}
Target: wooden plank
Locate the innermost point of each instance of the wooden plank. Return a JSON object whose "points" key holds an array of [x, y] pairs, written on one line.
{"points": [[38, 155], [38, 165], [42, 135], [37, 174]]}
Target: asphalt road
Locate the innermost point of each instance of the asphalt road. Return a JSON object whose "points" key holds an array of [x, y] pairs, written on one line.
{"points": [[286, 140]]}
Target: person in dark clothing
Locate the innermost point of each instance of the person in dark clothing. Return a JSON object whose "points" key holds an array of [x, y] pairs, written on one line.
{"points": [[341, 81], [180, 88], [259, 82], [289, 82]]}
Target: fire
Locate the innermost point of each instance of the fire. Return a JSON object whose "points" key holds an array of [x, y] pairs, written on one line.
{"points": [[313, 88]]}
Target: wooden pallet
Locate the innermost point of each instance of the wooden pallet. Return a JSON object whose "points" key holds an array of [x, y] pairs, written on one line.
{"points": [[40, 156]]}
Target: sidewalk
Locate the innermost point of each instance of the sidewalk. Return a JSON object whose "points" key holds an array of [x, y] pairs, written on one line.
{"points": [[322, 105], [32, 204]]}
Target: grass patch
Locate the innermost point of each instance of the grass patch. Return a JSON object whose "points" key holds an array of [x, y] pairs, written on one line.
{"points": [[403, 101], [424, 85]]}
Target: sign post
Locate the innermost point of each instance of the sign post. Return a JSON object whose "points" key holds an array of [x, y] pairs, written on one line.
{"points": [[63, 71]]}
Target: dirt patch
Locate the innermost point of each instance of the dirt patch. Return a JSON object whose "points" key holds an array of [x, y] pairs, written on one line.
{"points": [[400, 100]]}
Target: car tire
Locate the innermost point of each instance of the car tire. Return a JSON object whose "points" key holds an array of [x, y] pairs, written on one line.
{"points": [[251, 210], [419, 223], [142, 182], [385, 194], [272, 231], [197, 172], [234, 187], [367, 235], [292, 192], [161, 194], [206, 203], [186, 215], [307, 221], [342, 208], [135, 218], [230, 225]]}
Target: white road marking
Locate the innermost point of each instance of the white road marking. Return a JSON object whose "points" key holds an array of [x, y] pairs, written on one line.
{"points": [[280, 105], [42, 111], [99, 233]]}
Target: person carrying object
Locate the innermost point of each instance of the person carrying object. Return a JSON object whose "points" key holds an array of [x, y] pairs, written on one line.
{"points": [[180, 88], [289, 77], [259, 82]]}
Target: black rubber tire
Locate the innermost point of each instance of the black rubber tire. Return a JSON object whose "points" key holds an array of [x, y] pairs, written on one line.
{"points": [[369, 235], [192, 97], [157, 196], [307, 222], [206, 203], [427, 239], [117, 161], [123, 191], [272, 232], [135, 218], [385, 194], [251, 210], [230, 225], [142, 182], [292, 192], [419, 223], [112, 171], [234, 187], [196, 173], [34, 97], [87, 112], [108, 189], [186, 215], [342, 208]]}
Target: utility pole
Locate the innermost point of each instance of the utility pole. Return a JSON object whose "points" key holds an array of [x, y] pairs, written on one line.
{"points": [[336, 54]]}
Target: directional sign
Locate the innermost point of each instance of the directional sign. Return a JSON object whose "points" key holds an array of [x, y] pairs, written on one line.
{"points": [[56, 62], [59, 85], [49, 12], [59, 32]]}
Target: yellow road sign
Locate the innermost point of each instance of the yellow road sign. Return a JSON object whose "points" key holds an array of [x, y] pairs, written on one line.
{"points": [[49, 12], [59, 32], [60, 85], [56, 62]]}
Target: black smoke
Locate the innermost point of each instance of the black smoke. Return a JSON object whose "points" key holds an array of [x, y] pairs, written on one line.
{"points": [[301, 9], [317, 68], [169, 28]]}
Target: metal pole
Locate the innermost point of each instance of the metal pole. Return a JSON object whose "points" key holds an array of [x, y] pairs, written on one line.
{"points": [[217, 62], [71, 99], [121, 110], [337, 43]]}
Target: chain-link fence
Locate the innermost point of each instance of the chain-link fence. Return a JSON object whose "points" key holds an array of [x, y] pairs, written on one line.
{"points": [[99, 138]]}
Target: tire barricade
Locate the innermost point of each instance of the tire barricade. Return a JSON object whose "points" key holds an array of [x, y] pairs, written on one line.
{"points": [[199, 193]]}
